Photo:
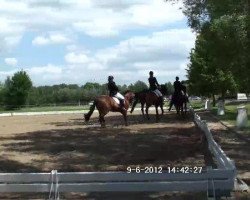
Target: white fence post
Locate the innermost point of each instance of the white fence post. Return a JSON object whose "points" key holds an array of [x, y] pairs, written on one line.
{"points": [[241, 120], [221, 108], [207, 104]]}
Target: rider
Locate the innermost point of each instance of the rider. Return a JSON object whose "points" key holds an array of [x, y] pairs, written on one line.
{"points": [[177, 90], [114, 91], [153, 84], [184, 89]]}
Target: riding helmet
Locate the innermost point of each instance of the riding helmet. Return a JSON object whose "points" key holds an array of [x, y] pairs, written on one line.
{"points": [[110, 78]]}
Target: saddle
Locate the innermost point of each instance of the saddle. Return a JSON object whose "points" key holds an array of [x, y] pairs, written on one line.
{"points": [[156, 93], [116, 100]]}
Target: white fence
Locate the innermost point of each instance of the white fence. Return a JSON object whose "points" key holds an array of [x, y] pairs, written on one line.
{"points": [[217, 182]]}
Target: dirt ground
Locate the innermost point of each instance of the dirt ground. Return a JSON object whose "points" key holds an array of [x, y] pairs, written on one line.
{"points": [[66, 143]]}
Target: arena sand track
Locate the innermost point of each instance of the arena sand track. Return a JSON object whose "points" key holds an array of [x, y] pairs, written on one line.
{"points": [[66, 143]]}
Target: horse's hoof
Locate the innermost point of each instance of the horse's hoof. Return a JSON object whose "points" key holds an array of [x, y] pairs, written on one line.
{"points": [[86, 117]]}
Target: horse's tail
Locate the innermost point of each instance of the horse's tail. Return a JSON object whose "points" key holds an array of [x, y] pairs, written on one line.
{"points": [[88, 115]]}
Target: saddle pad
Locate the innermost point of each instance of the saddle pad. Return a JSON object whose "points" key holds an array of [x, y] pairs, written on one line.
{"points": [[116, 100], [156, 93]]}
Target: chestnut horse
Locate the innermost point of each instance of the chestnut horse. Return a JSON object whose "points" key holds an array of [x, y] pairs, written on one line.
{"points": [[106, 104], [150, 98]]}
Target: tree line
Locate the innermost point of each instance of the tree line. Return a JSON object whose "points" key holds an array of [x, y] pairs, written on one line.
{"points": [[18, 91], [220, 60]]}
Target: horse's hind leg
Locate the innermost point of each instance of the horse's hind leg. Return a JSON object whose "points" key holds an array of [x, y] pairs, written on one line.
{"points": [[142, 109], [102, 121], [185, 107], [162, 110], [147, 107]]}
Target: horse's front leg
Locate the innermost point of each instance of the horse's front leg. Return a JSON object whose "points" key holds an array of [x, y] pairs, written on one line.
{"points": [[142, 109], [124, 113], [182, 109], [102, 121], [157, 113], [162, 110], [177, 109], [147, 107], [185, 107]]}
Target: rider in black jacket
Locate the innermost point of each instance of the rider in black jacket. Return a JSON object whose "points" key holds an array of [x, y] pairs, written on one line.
{"points": [[114, 91], [177, 91], [153, 84]]}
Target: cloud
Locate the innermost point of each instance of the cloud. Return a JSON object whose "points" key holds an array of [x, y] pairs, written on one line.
{"points": [[112, 49], [10, 34], [102, 28], [57, 38], [48, 3], [48, 69], [11, 61], [76, 58], [164, 49], [116, 5]]}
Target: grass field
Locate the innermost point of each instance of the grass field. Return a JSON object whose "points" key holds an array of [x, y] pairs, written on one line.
{"points": [[48, 108], [231, 114], [197, 104]]}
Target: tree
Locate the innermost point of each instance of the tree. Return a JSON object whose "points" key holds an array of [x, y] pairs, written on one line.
{"points": [[225, 28], [170, 88], [207, 73], [138, 86], [16, 90], [1, 93]]}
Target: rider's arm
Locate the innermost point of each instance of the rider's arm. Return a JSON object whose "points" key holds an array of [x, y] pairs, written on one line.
{"points": [[157, 82], [115, 86]]}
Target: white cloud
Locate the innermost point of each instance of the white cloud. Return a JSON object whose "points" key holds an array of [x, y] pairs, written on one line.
{"points": [[11, 61], [45, 70], [155, 13], [76, 58], [56, 38], [99, 28], [162, 49], [64, 22]]}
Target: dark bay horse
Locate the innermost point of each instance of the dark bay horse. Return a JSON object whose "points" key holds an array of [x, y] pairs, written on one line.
{"points": [[149, 98], [106, 104], [180, 103]]}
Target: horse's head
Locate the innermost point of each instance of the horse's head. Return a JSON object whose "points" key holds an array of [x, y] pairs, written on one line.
{"points": [[129, 96], [163, 89]]}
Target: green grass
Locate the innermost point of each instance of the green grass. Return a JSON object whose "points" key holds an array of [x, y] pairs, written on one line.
{"points": [[197, 104], [47, 108], [231, 114]]}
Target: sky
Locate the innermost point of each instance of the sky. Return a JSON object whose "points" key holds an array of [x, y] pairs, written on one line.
{"points": [[79, 41]]}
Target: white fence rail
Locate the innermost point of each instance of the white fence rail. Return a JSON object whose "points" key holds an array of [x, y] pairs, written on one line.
{"points": [[217, 182]]}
